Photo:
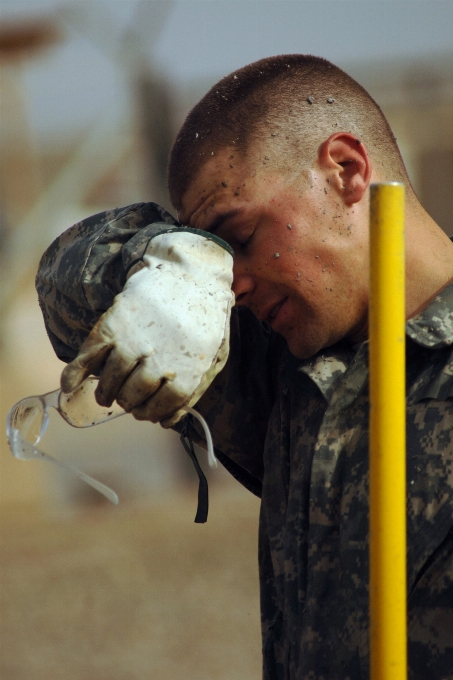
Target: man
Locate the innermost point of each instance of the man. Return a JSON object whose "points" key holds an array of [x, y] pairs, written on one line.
{"points": [[274, 165]]}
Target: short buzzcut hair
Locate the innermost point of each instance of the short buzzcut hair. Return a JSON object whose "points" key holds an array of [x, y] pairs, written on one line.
{"points": [[290, 103]]}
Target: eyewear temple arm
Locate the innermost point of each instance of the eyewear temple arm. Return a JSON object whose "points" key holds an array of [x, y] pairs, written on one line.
{"points": [[24, 450]]}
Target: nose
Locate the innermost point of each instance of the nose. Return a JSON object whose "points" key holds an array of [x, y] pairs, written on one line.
{"points": [[243, 283]]}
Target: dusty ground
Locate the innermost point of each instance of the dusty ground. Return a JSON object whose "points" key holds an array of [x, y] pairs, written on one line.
{"points": [[132, 593]]}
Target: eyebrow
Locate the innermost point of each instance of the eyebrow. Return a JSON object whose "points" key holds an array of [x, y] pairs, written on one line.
{"points": [[220, 220]]}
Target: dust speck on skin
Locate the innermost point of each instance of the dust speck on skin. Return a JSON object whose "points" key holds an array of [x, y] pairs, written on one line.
{"points": [[317, 257], [325, 190], [276, 256], [224, 184], [236, 193], [298, 273], [289, 226], [330, 100], [310, 100]]}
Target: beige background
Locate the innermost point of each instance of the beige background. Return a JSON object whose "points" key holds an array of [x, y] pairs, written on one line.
{"points": [[88, 590]]}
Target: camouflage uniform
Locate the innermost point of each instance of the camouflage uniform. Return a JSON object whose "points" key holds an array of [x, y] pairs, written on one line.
{"points": [[295, 432]]}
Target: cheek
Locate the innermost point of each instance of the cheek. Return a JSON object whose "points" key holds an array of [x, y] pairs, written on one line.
{"points": [[275, 254], [281, 253]]}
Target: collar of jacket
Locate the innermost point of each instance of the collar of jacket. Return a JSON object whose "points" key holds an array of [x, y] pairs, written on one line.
{"points": [[432, 329], [434, 326]]}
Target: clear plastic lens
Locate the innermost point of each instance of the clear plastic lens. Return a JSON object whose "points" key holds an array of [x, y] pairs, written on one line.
{"points": [[80, 409], [29, 420]]}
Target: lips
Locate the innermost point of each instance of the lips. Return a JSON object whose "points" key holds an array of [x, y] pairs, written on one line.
{"points": [[273, 312]]}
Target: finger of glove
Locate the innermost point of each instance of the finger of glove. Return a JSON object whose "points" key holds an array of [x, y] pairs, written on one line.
{"points": [[87, 362], [140, 386], [173, 419], [162, 405], [115, 372]]}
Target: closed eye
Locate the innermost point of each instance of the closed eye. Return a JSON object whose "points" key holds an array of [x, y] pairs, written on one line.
{"points": [[247, 242]]}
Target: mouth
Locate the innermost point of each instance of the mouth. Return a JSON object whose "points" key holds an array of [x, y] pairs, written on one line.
{"points": [[274, 311]]}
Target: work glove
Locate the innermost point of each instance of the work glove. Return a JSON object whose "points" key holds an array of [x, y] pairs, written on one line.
{"points": [[166, 336]]}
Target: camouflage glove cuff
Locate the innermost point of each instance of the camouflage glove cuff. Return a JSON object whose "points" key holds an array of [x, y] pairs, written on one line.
{"points": [[166, 336]]}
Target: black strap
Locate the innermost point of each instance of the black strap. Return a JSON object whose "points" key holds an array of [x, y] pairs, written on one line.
{"points": [[203, 500]]}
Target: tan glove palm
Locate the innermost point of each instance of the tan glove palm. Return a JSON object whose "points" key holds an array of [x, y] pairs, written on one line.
{"points": [[166, 336]]}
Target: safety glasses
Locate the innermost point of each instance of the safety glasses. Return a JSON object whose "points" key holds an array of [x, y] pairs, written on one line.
{"points": [[27, 422]]}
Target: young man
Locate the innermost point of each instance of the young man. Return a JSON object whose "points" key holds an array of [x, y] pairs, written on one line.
{"points": [[273, 166]]}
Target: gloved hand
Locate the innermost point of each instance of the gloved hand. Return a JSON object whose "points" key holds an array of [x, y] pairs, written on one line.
{"points": [[166, 336]]}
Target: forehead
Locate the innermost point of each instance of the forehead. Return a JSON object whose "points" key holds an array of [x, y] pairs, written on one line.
{"points": [[224, 169]]}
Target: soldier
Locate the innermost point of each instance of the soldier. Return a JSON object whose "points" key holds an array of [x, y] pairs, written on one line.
{"points": [[273, 168]]}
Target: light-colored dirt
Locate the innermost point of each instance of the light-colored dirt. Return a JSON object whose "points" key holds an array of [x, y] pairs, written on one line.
{"points": [[132, 593]]}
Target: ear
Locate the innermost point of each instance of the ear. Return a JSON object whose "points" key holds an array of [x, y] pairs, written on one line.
{"points": [[345, 160]]}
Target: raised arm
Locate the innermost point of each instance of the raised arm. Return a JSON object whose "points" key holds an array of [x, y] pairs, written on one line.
{"points": [[119, 257]]}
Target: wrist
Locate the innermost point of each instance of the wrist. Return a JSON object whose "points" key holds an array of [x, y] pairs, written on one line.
{"points": [[169, 240]]}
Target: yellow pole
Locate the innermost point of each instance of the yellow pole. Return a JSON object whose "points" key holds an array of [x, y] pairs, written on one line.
{"points": [[387, 435]]}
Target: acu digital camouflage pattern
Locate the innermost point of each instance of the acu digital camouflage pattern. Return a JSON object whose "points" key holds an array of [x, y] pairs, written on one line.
{"points": [[86, 266], [296, 433]]}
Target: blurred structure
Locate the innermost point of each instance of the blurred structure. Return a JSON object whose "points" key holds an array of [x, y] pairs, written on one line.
{"points": [[89, 590], [417, 98], [21, 180], [46, 185], [47, 182]]}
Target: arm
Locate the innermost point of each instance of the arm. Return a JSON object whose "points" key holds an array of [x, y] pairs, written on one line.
{"points": [[87, 267]]}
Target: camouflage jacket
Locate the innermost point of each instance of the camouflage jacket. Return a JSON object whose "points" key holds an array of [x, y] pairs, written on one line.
{"points": [[295, 432]]}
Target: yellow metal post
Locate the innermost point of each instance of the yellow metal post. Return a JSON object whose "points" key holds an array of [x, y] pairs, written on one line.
{"points": [[387, 434]]}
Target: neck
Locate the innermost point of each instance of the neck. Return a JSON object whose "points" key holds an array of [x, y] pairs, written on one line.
{"points": [[429, 259]]}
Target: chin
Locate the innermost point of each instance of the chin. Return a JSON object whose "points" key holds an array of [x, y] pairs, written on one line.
{"points": [[301, 349]]}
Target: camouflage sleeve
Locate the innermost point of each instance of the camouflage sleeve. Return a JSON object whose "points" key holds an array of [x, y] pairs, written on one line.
{"points": [[86, 266], [430, 624], [430, 517]]}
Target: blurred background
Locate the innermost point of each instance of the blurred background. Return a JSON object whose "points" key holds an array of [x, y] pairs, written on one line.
{"points": [[92, 94]]}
